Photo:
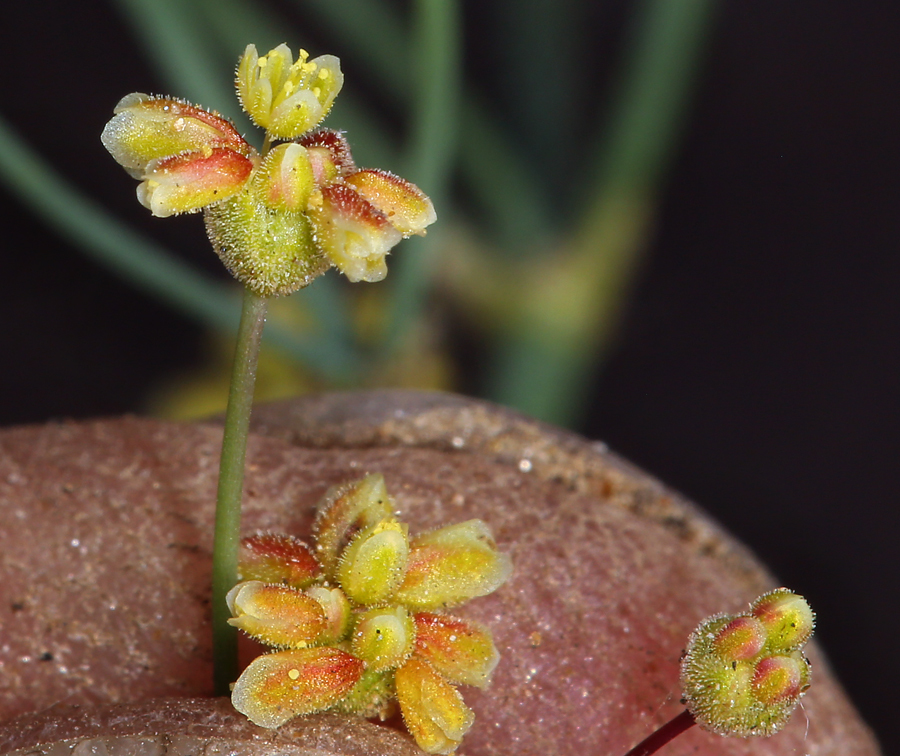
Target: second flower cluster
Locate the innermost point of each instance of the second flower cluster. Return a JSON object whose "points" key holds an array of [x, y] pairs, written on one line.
{"points": [[359, 622]]}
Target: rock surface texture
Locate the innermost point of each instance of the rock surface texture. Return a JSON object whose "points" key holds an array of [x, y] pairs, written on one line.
{"points": [[105, 538]]}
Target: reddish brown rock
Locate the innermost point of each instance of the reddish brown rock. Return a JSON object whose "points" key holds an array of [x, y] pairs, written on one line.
{"points": [[104, 558]]}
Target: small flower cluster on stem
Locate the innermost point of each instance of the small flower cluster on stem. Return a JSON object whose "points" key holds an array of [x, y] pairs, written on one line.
{"points": [[279, 218], [743, 674], [359, 622]]}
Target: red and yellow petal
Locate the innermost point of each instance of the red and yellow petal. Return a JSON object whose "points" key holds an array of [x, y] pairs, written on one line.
{"points": [[146, 128], [461, 650], [276, 558], [277, 687], [452, 565], [276, 614], [432, 708], [407, 208], [329, 154], [352, 232], [190, 181]]}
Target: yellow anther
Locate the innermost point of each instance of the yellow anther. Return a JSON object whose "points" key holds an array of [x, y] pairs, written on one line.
{"points": [[316, 92], [303, 54], [294, 674], [263, 61], [324, 74]]}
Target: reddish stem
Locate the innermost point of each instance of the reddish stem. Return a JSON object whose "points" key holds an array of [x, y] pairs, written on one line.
{"points": [[669, 731]]}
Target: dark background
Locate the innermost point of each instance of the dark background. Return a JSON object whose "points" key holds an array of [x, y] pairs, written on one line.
{"points": [[757, 364]]}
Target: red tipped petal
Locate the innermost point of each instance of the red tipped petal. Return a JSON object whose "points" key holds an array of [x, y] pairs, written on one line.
{"points": [[275, 558], [277, 687], [462, 651], [353, 233], [190, 181], [406, 207]]}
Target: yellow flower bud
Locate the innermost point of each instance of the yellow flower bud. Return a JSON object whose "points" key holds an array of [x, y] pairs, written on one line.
{"points": [[145, 128], [287, 97], [383, 637], [777, 679], [451, 565], [284, 180], [280, 686], [787, 617], [373, 565], [345, 510], [432, 709], [187, 158], [742, 638]]}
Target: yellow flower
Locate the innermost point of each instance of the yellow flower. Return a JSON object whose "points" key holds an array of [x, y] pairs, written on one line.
{"points": [[277, 220], [285, 97]]}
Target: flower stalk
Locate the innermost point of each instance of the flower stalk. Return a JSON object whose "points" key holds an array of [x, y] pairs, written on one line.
{"points": [[226, 541], [668, 732]]}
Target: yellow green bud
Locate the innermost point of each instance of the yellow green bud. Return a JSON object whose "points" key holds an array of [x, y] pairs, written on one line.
{"points": [[742, 638], [374, 563], [780, 678], [187, 158], [787, 617], [383, 637], [145, 128], [432, 708], [452, 565], [276, 614], [345, 510], [277, 687], [284, 179]]}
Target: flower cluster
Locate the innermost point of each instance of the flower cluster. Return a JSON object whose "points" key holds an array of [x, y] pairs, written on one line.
{"points": [[744, 675], [359, 622], [279, 218]]}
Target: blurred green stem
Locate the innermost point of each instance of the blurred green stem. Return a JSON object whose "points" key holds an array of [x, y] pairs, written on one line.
{"points": [[559, 333], [437, 47], [226, 542]]}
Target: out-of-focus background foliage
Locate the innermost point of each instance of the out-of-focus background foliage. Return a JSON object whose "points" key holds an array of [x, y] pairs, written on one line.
{"points": [[669, 224]]}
